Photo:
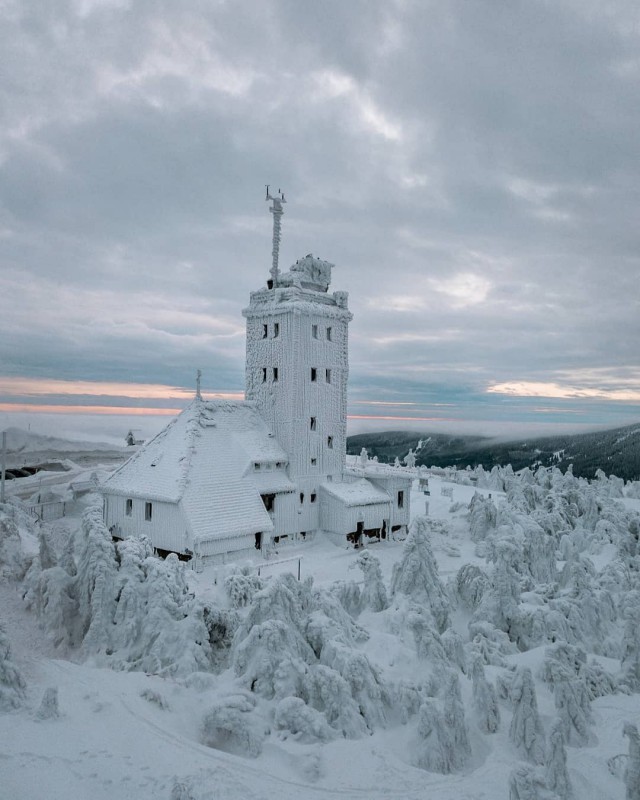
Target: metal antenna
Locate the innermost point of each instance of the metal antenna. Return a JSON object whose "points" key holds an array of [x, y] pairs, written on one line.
{"points": [[198, 376], [277, 211]]}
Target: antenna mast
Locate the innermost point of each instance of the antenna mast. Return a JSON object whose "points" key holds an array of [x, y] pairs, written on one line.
{"points": [[277, 211], [198, 376]]}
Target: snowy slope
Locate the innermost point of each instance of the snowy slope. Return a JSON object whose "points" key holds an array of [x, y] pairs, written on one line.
{"points": [[136, 735]]}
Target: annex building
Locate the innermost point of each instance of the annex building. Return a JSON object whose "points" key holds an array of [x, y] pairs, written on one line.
{"points": [[225, 476]]}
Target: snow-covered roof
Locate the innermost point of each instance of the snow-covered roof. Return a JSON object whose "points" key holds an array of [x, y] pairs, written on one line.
{"points": [[272, 481], [358, 493], [203, 460]]}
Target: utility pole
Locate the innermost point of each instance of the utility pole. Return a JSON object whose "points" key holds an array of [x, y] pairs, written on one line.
{"points": [[4, 466]]}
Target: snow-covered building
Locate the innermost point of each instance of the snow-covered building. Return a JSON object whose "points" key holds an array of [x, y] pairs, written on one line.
{"points": [[227, 476]]}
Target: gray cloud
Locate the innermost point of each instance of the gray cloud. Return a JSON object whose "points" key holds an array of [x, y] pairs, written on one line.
{"points": [[471, 168]]}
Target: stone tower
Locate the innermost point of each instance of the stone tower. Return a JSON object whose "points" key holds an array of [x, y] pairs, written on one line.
{"points": [[296, 371]]}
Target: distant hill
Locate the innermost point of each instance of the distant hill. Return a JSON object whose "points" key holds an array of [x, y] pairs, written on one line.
{"points": [[615, 451]]}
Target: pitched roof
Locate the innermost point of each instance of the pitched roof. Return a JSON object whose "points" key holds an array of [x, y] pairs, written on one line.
{"points": [[202, 459], [358, 493]]}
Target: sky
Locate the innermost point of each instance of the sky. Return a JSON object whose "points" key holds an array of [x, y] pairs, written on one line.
{"points": [[471, 168]]}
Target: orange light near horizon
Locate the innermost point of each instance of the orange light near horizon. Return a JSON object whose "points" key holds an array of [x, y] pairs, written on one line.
{"points": [[41, 387], [104, 410]]}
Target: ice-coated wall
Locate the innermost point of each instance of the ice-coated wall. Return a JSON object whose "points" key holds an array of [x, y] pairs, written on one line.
{"points": [[297, 370]]}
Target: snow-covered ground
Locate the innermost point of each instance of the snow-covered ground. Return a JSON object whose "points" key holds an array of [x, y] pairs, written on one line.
{"points": [[381, 639]]}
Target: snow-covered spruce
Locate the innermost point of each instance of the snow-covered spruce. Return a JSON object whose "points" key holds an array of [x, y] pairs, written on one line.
{"points": [[526, 730], [233, 725], [485, 701], [632, 771], [416, 574], [13, 562], [374, 593], [12, 685], [443, 741], [556, 774]]}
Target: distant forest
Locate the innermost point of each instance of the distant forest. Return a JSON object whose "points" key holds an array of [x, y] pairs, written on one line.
{"points": [[616, 452]]}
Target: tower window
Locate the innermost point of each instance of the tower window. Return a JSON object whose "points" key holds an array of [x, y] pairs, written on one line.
{"points": [[276, 330], [314, 331], [328, 375], [148, 511], [314, 461], [264, 374], [312, 497], [400, 499], [256, 465], [128, 509], [329, 334], [275, 374], [302, 497], [330, 442], [313, 424], [265, 331], [314, 374]]}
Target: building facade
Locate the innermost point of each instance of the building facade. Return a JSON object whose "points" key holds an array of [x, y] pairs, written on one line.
{"points": [[297, 368]]}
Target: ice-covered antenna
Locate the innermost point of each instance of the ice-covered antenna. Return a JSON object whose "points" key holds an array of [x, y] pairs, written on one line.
{"points": [[277, 211], [198, 376]]}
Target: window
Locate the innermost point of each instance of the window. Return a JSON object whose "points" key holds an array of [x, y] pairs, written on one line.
{"points": [[312, 497], [328, 375], [314, 461], [256, 465], [278, 464], [330, 442], [400, 499], [275, 374], [313, 424], [265, 331], [329, 334], [329, 478], [269, 501], [302, 497], [314, 374], [148, 510], [264, 374], [276, 330], [314, 331], [128, 509]]}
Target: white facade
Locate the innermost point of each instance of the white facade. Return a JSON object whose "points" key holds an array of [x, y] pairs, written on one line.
{"points": [[226, 477]]}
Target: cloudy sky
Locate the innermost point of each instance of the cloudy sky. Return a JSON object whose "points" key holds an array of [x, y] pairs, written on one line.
{"points": [[472, 169]]}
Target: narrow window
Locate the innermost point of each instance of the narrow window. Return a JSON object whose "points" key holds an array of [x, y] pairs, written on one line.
{"points": [[276, 330], [314, 461], [328, 375], [313, 424], [330, 442], [256, 465], [278, 464], [265, 331], [314, 331], [400, 499], [128, 509], [314, 374], [329, 478], [264, 374], [312, 497], [148, 510], [329, 334], [302, 497], [275, 374]]}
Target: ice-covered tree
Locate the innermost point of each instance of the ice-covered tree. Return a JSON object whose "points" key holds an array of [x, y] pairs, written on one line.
{"points": [[374, 593], [482, 516], [454, 718], [630, 661], [233, 726], [632, 772], [12, 685], [416, 574], [49, 707], [13, 562], [526, 730], [525, 783], [574, 710], [485, 701], [556, 774], [96, 582], [471, 584]]}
